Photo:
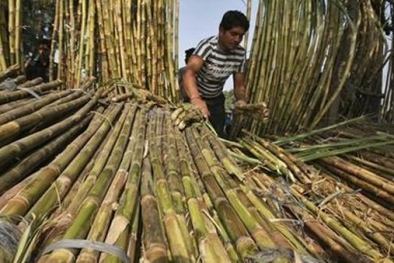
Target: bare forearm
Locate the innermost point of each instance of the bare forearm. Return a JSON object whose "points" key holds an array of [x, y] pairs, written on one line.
{"points": [[240, 92], [190, 84]]}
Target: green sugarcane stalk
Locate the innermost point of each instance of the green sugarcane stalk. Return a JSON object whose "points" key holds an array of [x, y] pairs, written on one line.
{"points": [[248, 216], [154, 243], [33, 107], [269, 159], [20, 94], [127, 211], [134, 241], [65, 180], [336, 244], [175, 184], [30, 163], [358, 243], [222, 154], [22, 124], [296, 242], [27, 143], [102, 157], [89, 207], [298, 168], [236, 230], [210, 247], [356, 224], [33, 191], [174, 234], [103, 218]]}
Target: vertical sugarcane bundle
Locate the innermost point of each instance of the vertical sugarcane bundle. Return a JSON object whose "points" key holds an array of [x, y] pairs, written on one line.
{"points": [[128, 49], [312, 62]]}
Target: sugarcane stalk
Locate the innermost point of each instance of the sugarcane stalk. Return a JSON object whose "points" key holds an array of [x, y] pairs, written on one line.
{"points": [[102, 157], [174, 234], [15, 149], [7, 72], [20, 94], [236, 230], [33, 107], [18, 205], [63, 183], [88, 208], [154, 244], [175, 184], [358, 243], [127, 211], [103, 218], [30, 163]]}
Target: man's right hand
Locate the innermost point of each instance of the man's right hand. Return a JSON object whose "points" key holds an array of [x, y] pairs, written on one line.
{"points": [[200, 103]]}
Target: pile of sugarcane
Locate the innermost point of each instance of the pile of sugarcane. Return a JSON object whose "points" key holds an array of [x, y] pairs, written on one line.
{"points": [[123, 177], [89, 178], [343, 176], [134, 41], [314, 61], [131, 40]]}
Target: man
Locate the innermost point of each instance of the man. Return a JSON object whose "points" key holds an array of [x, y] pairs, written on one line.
{"points": [[213, 61]]}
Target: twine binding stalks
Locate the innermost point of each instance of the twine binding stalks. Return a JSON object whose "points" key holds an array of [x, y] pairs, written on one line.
{"points": [[9, 239]]}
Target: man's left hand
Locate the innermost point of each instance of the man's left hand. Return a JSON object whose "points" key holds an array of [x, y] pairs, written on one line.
{"points": [[239, 103]]}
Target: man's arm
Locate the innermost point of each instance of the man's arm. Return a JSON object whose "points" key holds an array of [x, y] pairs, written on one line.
{"points": [[239, 88], [190, 84]]}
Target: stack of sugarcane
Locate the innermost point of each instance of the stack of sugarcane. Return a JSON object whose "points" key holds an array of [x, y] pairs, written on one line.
{"points": [[101, 181], [137, 43], [345, 193], [312, 62]]}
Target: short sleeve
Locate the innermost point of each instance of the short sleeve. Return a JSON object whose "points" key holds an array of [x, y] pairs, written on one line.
{"points": [[242, 66], [203, 49]]}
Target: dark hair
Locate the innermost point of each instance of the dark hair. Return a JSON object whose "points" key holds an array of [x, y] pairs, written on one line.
{"points": [[188, 53], [234, 18]]}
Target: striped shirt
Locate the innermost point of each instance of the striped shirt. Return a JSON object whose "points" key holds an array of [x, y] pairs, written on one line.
{"points": [[218, 66]]}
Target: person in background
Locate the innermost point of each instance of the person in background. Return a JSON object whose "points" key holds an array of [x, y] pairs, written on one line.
{"points": [[38, 64], [188, 53], [215, 59]]}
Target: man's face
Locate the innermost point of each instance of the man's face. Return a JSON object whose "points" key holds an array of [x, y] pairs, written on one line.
{"points": [[230, 39]]}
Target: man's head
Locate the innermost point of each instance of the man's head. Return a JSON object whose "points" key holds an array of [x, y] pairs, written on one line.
{"points": [[188, 53], [232, 28]]}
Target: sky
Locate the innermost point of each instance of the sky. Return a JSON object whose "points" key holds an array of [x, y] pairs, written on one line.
{"points": [[199, 19]]}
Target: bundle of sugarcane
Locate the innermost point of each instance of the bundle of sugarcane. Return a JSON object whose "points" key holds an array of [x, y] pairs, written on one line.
{"points": [[337, 217], [258, 111], [243, 114], [128, 49], [185, 114], [315, 194], [120, 181], [10, 34], [89, 186], [311, 77]]}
